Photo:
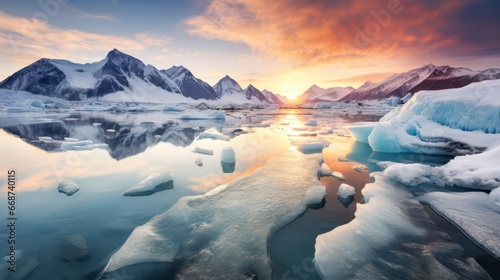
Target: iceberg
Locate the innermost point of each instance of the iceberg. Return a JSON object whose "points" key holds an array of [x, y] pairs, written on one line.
{"points": [[361, 131], [342, 159], [407, 97], [213, 134], [393, 101], [228, 155], [449, 122], [156, 182], [203, 151], [203, 115], [473, 212], [200, 233], [198, 161], [314, 146], [479, 171], [495, 196], [390, 231], [68, 187], [345, 191], [360, 168]]}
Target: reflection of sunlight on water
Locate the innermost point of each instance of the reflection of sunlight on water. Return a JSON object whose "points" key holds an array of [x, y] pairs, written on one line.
{"points": [[252, 151]]}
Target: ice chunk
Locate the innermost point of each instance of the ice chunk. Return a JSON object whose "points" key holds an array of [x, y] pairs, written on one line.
{"points": [[154, 183], [310, 147], [452, 122], [315, 194], [360, 168], [37, 104], [198, 161], [473, 212], [393, 101], [361, 131], [203, 151], [325, 170], [203, 115], [345, 191], [407, 97], [212, 133], [312, 123], [478, 171], [228, 155], [75, 248], [172, 109], [200, 233], [495, 196], [371, 247], [342, 159], [67, 187], [339, 176], [97, 124], [111, 130]]}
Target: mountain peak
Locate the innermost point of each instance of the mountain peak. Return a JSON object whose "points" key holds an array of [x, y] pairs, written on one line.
{"points": [[115, 53]]}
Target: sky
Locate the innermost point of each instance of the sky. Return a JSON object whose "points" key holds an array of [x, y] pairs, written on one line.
{"points": [[284, 46]]}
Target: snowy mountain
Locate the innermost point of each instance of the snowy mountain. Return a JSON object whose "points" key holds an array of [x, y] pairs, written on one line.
{"points": [[227, 86], [428, 77], [252, 93], [73, 81], [189, 85], [274, 98], [316, 94], [229, 90], [121, 77]]}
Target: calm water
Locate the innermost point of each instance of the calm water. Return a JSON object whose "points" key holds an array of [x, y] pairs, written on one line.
{"points": [[141, 144]]}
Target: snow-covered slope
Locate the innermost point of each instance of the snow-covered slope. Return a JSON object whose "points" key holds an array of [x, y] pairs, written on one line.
{"points": [[189, 85], [273, 98], [428, 77], [253, 94], [72, 81], [316, 94], [227, 86]]}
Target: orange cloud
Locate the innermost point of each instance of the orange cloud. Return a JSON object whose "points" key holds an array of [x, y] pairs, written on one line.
{"points": [[23, 41], [310, 33]]}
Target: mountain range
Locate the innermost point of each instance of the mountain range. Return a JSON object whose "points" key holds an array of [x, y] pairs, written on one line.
{"points": [[122, 77]]}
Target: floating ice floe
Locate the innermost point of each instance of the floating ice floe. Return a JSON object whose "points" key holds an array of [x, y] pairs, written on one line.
{"points": [[478, 171], [154, 183], [325, 170], [111, 130], [203, 151], [315, 194], [213, 134], [202, 231], [339, 176], [97, 124], [313, 146], [203, 115], [353, 251], [361, 131], [343, 159], [450, 122], [198, 161], [312, 123], [473, 212], [360, 168], [67, 187], [345, 191]]}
